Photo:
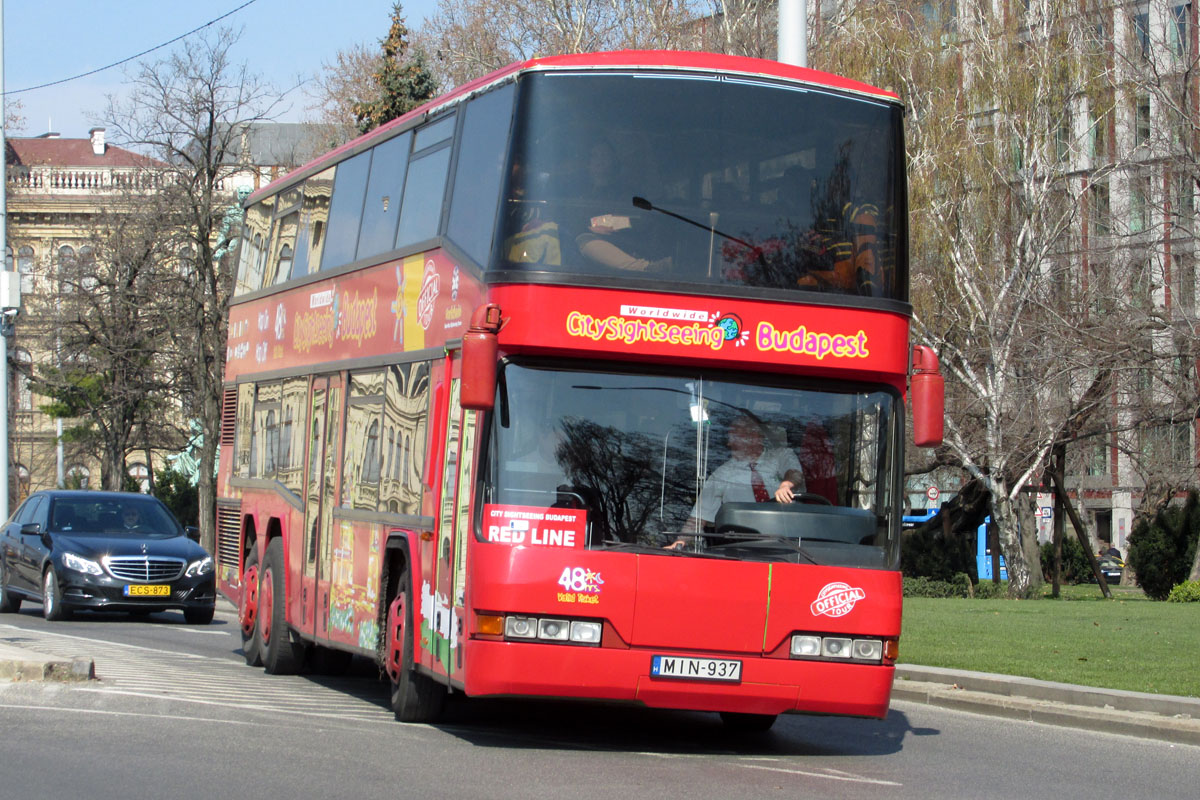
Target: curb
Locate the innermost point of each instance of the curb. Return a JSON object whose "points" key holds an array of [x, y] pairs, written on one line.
{"points": [[1163, 717], [18, 664]]}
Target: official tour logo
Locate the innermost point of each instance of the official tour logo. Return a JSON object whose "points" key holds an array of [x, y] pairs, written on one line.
{"points": [[431, 287], [837, 599]]}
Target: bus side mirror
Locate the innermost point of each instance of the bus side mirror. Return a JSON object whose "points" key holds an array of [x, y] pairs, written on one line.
{"points": [[927, 397], [480, 352]]}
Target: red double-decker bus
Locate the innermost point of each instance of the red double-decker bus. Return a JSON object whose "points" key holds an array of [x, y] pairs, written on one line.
{"points": [[586, 380]]}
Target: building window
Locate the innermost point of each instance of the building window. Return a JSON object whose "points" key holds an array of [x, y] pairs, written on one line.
{"points": [[140, 475], [66, 268], [1139, 204], [1177, 28], [22, 482], [1141, 32], [1101, 209], [187, 262], [78, 477], [25, 268], [1184, 274], [1142, 121]]}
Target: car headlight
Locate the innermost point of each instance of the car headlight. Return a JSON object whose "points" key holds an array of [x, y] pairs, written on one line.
{"points": [[81, 564], [201, 567]]}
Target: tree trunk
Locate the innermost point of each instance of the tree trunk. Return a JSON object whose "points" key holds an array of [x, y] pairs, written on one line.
{"points": [[1194, 575], [1004, 512]]}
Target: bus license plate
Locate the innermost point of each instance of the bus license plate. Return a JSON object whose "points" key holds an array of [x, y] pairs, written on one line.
{"points": [[696, 669], [148, 590]]}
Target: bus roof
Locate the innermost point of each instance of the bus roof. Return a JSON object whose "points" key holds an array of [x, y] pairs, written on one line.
{"points": [[622, 59]]}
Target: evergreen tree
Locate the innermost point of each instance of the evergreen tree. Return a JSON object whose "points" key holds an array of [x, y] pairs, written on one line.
{"points": [[402, 80]]}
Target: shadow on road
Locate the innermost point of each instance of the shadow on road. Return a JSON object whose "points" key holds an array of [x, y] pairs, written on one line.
{"points": [[578, 726]]}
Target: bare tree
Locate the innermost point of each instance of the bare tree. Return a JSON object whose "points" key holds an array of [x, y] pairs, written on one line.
{"points": [[189, 109], [105, 322]]}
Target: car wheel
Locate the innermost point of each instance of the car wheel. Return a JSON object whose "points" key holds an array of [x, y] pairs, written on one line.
{"points": [[747, 723], [280, 655], [415, 697], [9, 602], [199, 616], [248, 609], [52, 604]]}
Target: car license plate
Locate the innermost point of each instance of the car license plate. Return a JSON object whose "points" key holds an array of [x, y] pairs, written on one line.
{"points": [[695, 669], [148, 590]]}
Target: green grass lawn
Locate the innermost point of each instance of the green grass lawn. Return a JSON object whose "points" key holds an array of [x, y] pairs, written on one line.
{"points": [[1126, 643]]}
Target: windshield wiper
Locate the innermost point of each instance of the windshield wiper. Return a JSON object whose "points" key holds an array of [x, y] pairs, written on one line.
{"points": [[770, 541], [650, 549]]}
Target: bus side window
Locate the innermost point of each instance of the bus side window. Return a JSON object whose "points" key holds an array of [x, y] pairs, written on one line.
{"points": [[349, 188], [480, 171]]}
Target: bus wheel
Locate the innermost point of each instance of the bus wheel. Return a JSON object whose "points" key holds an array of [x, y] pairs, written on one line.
{"points": [[747, 723], [248, 610], [280, 655], [415, 697]]}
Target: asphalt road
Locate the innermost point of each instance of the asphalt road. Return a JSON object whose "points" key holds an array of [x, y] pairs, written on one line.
{"points": [[175, 713]]}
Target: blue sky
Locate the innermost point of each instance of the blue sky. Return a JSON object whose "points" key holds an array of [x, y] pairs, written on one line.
{"points": [[282, 40]]}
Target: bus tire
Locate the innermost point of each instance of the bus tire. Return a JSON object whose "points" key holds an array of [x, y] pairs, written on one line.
{"points": [[248, 610], [280, 654], [415, 697], [737, 722]]}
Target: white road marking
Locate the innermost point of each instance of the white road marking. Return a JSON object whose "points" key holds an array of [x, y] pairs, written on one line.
{"points": [[833, 775]]}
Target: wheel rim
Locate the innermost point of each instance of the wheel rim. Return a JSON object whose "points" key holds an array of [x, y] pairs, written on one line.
{"points": [[248, 605], [266, 603], [48, 592], [396, 633]]}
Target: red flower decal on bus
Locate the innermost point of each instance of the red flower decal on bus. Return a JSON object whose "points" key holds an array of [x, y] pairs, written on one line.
{"points": [[837, 599]]}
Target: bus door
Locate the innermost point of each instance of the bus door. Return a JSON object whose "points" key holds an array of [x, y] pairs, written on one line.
{"points": [[453, 529], [320, 494]]}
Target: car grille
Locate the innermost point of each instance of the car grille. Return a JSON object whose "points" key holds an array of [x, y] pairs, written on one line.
{"points": [[146, 569]]}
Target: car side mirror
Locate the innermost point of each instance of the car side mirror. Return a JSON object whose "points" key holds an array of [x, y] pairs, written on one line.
{"points": [[31, 529], [193, 533]]}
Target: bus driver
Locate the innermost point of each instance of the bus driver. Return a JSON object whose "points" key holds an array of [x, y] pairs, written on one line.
{"points": [[746, 476]]}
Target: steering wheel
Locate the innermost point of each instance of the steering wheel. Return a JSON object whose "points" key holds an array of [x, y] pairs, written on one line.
{"points": [[810, 497]]}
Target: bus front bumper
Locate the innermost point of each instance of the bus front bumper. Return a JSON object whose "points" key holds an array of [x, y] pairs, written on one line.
{"points": [[767, 685]]}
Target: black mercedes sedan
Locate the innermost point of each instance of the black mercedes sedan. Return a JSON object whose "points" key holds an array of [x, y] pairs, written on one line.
{"points": [[104, 551]]}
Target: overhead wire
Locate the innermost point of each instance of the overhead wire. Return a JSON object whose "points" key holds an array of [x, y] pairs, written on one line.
{"points": [[133, 57]]}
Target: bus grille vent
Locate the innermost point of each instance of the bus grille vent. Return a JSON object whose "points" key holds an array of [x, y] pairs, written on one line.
{"points": [[228, 416], [229, 515]]}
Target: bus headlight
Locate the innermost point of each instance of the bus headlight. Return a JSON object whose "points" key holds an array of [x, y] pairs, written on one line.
{"points": [[806, 646], [843, 648], [868, 649], [551, 629], [556, 630], [585, 632], [521, 627], [833, 647]]}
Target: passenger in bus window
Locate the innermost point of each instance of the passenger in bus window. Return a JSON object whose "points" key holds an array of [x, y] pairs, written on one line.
{"points": [[610, 239], [535, 238], [754, 473]]}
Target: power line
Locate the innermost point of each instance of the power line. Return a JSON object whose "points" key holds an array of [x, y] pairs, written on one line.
{"points": [[133, 57]]}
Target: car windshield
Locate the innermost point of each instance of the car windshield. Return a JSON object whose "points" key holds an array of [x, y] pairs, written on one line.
{"points": [[694, 462], [687, 177], [136, 516]]}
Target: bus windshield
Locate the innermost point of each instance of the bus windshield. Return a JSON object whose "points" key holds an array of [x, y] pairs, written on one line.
{"points": [[734, 182], [667, 464]]}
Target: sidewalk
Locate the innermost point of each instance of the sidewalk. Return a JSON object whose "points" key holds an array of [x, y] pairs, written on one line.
{"points": [[1148, 716]]}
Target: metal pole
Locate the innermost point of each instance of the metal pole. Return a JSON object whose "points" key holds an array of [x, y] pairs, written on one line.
{"points": [[793, 32], [4, 320]]}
